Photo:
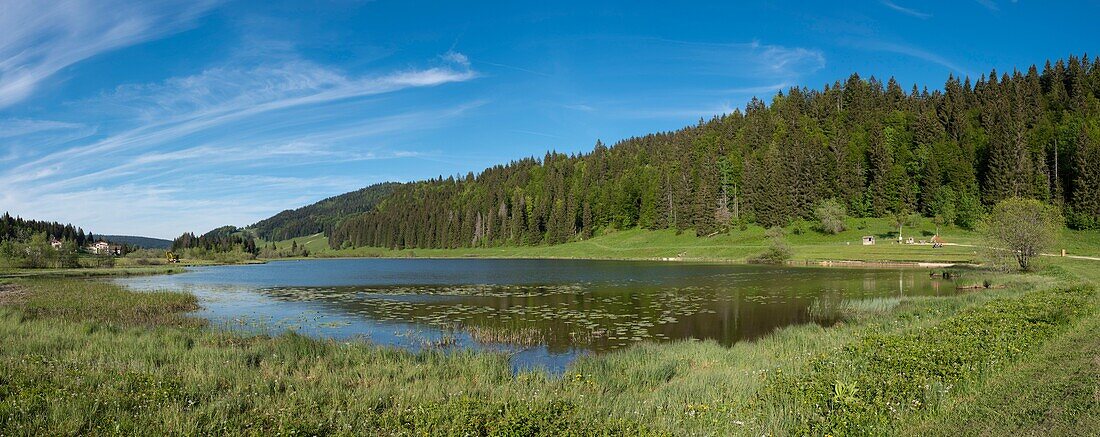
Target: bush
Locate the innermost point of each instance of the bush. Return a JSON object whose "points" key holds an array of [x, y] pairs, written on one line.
{"points": [[830, 215], [778, 250]]}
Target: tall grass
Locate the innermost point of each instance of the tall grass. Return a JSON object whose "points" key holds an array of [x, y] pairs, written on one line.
{"points": [[83, 357]]}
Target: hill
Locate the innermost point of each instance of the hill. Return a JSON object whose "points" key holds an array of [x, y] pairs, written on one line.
{"points": [[875, 148], [322, 216], [141, 242]]}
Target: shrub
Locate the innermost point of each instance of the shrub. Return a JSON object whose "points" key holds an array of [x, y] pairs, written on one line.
{"points": [[778, 250], [830, 215]]}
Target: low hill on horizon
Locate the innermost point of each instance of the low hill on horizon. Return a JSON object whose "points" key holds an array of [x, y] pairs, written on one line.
{"points": [[322, 216], [138, 241]]}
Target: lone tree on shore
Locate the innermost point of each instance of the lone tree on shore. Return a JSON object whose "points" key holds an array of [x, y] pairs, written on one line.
{"points": [[1023, 228], [830, 215]]}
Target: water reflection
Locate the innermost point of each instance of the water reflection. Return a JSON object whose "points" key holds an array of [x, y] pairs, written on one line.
{"points": [[567, 307]]}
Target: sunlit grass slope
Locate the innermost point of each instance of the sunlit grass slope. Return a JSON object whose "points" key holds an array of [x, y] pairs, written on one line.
{"points": [[737, 245]]}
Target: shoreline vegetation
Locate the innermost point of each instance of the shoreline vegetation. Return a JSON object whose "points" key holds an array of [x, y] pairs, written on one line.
{"points": [[807, 248], [136, 363], [90, 357]]}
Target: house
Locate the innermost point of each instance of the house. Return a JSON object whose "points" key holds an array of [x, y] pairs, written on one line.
{"points": [[105, 248], [868, 240], [55, 243]]}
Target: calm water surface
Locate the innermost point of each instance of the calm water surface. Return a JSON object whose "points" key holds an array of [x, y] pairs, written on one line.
{"points": [[574, 307]]}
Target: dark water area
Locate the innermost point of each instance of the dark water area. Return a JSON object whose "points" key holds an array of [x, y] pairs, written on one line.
{"points": [[544, 312]]}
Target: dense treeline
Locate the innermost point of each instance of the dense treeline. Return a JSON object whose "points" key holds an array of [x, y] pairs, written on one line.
{"points": [[872, 146], [223, 239], [322, 216], [28, 243], [19, 229]]}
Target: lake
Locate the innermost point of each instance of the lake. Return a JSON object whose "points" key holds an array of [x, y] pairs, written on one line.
{"points": [[544, 312]]}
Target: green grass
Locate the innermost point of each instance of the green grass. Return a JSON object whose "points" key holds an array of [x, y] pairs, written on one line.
{"points": [[93, 272], [124, 267], [872, 383], [90, 357], [738, 246], [808, 245], [1056, 391]]}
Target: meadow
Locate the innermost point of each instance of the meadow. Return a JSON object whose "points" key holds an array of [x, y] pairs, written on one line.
{"points": [[738, 245], [88, 357]]}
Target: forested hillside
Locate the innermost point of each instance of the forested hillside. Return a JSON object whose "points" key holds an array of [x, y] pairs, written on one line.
{"points": [[876, 148], [322, 216], [223, 239], [19, 229]]}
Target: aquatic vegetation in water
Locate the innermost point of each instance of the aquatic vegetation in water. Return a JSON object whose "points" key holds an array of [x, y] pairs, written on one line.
{"points": [[528, 336]]}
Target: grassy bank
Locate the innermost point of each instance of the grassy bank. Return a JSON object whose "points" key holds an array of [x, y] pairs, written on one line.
{"points": [[120, 269], [737, 245], [88, 357], [91, 272]]}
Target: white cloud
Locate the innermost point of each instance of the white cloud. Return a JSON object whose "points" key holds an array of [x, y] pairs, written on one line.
{"points": [[912, 51], [579, 107], [456, 58], [19, 127], [181, 147], [42, 37], [905, 10], [989, 4], [220, 97], [751, 60]]}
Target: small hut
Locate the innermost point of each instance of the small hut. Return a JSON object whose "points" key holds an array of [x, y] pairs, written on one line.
{"points": [[868, 240]]}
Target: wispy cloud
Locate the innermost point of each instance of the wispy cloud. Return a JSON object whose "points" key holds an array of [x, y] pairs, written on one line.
{"points": [[19, 127], [180, 107], [513, 67], [754, 90], [536, 133], [989, 4], [745, 60], [912, 51], [905, 10], [170, 142], [579, 107], [42, 37], [709, 77]]}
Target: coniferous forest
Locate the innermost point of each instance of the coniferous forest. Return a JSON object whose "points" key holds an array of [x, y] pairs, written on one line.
{"points": [[873, 146], [19, 229], [223, 239], [321, 216]]}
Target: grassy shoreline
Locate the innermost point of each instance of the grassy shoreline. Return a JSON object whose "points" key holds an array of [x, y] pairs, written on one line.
{"points": [[90, 357], [737, 246], [124, 270]]}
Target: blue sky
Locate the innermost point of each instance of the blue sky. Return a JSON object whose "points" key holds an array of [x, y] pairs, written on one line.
{"points": [[159, 117]]}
